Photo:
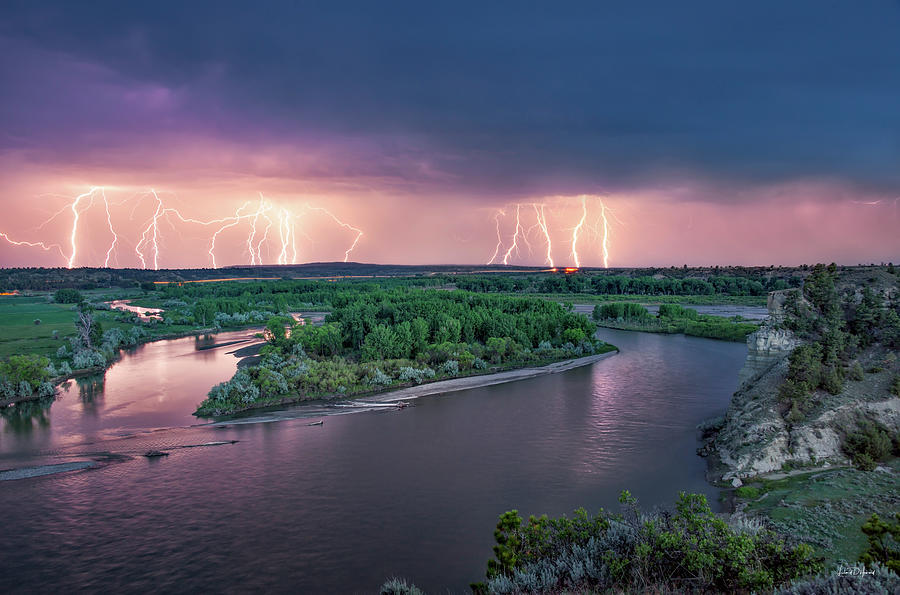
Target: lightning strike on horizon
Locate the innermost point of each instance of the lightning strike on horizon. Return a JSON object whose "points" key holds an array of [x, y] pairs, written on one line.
{"points": [[263, 240], [115, 236], [542, 223], [150, 238], [576, 230], [287, 233], [76, 215], [154, 227], [514, 246], [497, 216], [359, 232], [605, 234]]}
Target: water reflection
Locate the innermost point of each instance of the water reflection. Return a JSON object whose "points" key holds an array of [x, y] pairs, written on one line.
{"points": [[24, 417], [90, 391], [155, 385], [425, 484]]}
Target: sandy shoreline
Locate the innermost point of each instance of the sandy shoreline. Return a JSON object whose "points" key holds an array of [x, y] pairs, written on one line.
{"points": [[457, 384], [413, 392]]}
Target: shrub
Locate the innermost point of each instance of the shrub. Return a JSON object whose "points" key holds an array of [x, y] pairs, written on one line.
{"points": [[113, 337], [65, 369], [855, 372], [854, 581], [884, 542], [37, 321], [88, 358], [397, 586], [450, 367], [29, 368], [620, 311], [690, 550], [67, 296], [747, 492], [479, 364], [868, 443], [379, 378], [677, 311], [46, 390], [418, 376], [136, 333], [240, 390]]}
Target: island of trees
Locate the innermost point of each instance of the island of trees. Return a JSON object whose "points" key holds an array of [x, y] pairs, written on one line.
{"points": [[375, 339]]}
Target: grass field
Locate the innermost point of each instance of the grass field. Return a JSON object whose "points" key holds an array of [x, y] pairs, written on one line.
{"points": [[695, 300], [827, 508], [19, 334]]}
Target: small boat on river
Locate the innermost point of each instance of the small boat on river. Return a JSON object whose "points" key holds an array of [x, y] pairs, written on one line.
{"points": [[317, 423]]}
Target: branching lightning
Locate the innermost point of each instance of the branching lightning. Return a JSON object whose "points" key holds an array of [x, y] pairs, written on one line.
{"points": [[41, 245], [542, 223], [576, 230], [581, 230], [261, 240], [151, 234], [497, 216], [514, 245], [359, 232]]}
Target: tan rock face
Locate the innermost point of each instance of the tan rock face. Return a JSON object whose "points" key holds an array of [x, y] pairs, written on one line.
{"points": [[755, 438], [765, 348]]}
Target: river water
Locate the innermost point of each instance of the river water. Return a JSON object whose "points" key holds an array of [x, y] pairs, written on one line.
{"points": [[342, 506]]}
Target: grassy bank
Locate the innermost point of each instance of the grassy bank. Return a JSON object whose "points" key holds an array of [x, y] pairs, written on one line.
{"points": [[825, 508], [692, 300], [672, 319]]}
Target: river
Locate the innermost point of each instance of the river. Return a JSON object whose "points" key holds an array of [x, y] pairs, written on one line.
{"points": [[342, 506]]}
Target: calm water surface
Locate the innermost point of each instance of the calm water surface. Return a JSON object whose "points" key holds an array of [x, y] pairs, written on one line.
{"points": [[343, 506]]}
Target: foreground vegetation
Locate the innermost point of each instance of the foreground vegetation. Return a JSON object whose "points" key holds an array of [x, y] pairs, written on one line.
{"points": [[672, 318], [688, 550], [825, 508], [375, 339]]}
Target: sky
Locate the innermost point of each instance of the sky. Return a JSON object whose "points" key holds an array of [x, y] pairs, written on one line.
{"points": [[173, 134]]}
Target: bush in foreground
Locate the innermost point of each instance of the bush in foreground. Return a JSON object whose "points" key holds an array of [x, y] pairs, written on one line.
{"points": [[690, 550]]}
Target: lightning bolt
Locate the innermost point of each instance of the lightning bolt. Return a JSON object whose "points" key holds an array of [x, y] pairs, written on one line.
{"points": [[577, 229], [514, 246], [287, 233], [227, 222], [359, 232], [41, 245], [542, 223], [497, 216], [285, 219], [115, 236], [605, 234], [263, 239], [260, 210], [152, 230], [75, 216]]}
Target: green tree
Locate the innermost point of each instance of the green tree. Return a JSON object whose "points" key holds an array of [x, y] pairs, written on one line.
{"points": [[67, 296], [29, 368], [884, 542]]}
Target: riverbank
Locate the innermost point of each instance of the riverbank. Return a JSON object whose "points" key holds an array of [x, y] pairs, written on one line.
{"points": [[401, 393], [85, 372], [724, 330]]}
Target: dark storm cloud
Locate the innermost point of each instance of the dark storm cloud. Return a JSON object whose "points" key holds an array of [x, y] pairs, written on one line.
{"points": [[507, 98]]}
